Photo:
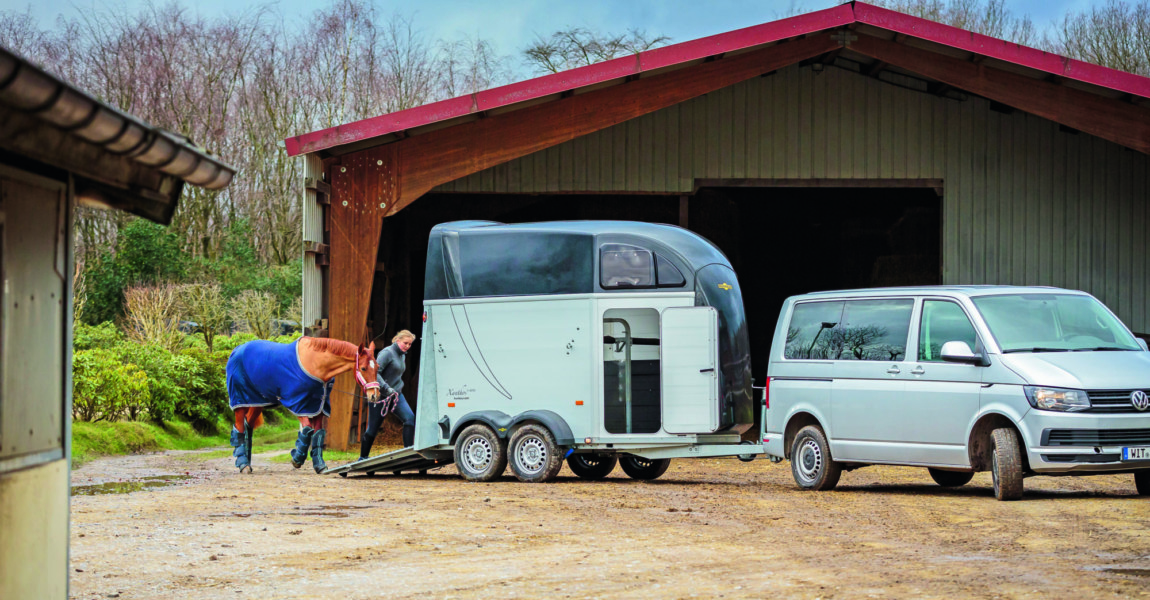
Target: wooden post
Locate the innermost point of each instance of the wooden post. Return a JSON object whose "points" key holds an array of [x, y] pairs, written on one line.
{"points": [[364, 185]]}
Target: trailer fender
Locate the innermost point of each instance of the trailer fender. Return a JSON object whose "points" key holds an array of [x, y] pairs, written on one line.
{"points": [[497, 420], [550, 420]]}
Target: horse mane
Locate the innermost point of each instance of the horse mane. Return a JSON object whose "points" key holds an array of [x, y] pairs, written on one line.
{"points": [[336, 347]]}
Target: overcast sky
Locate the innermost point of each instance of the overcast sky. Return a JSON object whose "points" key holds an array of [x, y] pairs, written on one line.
{"points": [[513, 24]]}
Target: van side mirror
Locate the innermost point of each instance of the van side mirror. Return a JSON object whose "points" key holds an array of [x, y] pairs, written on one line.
{"points": [[959, 352], [1142, 342]]}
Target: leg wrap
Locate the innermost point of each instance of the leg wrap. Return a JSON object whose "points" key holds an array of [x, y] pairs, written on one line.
{"points": [[299, 453], [317, 450], [249, 434], [238, 441]]}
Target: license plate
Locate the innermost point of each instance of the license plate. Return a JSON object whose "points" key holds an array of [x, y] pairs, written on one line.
{"points": [[1136, 454]]}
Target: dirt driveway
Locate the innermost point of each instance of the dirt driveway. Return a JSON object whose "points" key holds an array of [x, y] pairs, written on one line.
{"points": [[708, 528]]}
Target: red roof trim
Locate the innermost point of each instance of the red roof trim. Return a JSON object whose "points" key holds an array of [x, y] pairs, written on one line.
{"points": [[710, 46]]}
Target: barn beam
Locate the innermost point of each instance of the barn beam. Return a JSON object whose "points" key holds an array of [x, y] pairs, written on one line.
{"points": [[447, 154], [364, 186], [1117, 122]]}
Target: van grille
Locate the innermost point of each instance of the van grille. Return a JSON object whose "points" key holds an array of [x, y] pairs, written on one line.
{"points": [[1111, 401], [1096, 437]]}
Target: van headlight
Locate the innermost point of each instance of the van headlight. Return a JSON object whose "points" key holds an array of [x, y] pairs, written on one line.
{"points": [[1047, 398]]}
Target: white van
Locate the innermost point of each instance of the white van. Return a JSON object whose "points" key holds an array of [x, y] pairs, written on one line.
{"points": [[1019, 381]]}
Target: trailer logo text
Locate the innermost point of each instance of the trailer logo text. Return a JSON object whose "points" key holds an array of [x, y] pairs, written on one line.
{"points": [[461, 393]]}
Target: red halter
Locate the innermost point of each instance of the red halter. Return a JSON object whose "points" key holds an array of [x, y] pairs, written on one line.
{"points": [[359, 376]]}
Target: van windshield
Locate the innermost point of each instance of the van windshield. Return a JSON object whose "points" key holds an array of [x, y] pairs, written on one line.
{"points": [[1053, 323]]}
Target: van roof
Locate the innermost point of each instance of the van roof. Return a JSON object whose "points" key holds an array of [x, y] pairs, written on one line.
{"points": [[946, 290]]}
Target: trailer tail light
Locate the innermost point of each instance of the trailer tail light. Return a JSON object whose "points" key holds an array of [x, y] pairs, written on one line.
{"points": [[578, 403], [425, 316], [767, 394], [450, 405]]}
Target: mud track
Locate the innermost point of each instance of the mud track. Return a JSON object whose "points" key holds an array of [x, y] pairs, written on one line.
{"points": [[708, 528]]}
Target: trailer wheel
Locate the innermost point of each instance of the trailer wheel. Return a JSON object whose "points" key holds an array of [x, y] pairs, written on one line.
{"points": [[591, 466], [811, 463], [533, 454], [644, 469], [480, 455], [950, 478]]}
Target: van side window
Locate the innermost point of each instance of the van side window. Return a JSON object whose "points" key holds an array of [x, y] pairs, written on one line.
{"points": [[943, 322], [810, 331], [873, 330], [624, 266]]}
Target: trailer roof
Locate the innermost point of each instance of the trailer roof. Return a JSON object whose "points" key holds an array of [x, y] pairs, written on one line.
{"points": [[944, 41]]}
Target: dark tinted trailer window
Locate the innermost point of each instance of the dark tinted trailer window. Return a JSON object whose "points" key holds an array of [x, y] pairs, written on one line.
{"points": [[623, 266], [873, 330], [668, 274], [809, 334], [526, 263]]}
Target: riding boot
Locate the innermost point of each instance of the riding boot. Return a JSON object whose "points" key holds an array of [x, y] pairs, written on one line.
{"points": [[299, 453], [365, 445], [408, 436], [317, 450], [241, 453]]}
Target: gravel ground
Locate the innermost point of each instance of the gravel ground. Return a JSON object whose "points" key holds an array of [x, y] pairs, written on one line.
{"points": [[708, 528]]}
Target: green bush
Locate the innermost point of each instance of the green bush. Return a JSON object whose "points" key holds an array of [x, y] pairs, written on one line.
{"points": [[104, 388], [105, 336]]}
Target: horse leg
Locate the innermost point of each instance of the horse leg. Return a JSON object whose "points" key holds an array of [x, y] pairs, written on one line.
{"points": [[255, 418], [239, 440], [317, 442], [302, 442]]}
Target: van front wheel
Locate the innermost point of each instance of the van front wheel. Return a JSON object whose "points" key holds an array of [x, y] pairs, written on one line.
{"points": [[1006, 464], [1142, 483], [811, 463]]}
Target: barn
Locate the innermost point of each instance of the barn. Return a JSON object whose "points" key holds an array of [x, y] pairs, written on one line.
{"points": [[850, 147], [59, 148]]}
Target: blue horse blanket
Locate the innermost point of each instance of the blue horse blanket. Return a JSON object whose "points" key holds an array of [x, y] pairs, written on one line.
{"points": [[262, 373]]}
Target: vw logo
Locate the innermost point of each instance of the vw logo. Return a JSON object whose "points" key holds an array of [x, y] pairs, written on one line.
{"points": [[1140, 400]]}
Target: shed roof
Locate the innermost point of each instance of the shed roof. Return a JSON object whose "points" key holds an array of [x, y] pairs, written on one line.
{"points": [[941, 41]]}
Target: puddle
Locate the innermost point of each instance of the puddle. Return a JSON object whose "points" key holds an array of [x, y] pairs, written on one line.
{"points": [[127, 487], [1127, 571]]}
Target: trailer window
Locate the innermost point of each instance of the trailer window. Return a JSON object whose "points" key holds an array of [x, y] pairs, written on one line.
{"points": [[624, 266], [668, 274], [525, 263]]}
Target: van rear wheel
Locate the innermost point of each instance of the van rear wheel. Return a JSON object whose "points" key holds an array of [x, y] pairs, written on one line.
{"points": [[480, 455], [1006, 464], [591, 466], [950, 478], [644, 469], [811, 463], [1142, 483], [534, 455]]}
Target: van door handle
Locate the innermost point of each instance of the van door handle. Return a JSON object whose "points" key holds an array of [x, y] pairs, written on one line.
{"points": [[893, 371], [710, 370], [918, 370]]}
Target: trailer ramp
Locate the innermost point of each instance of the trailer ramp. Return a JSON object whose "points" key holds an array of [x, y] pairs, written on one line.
{"points": [[397, 461]]}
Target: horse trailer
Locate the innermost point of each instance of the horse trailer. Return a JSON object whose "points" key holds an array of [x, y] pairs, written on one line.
{"points": [[597, 342]]}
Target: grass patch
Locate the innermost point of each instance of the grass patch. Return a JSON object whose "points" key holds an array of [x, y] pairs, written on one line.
{"points": [[93, 440]]}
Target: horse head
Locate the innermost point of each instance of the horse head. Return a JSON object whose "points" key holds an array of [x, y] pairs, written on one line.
{"points": [[365, 371]]}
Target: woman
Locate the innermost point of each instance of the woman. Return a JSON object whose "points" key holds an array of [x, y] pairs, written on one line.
{"points": [[391, 363]]}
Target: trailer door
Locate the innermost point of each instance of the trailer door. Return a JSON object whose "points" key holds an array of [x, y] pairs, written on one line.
{"points": [[690, 377]]}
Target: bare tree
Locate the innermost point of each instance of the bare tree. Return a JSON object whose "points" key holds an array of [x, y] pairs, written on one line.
{"points": [[203, 304], [1115, 34], [255, 311], [151, 316], [577, 47], [988, 17]]}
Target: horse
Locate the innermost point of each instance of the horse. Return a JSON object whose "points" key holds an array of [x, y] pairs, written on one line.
{"points": [[298, 376]]}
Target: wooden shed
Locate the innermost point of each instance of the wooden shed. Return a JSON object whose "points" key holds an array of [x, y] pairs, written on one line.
{"points": [[850, 147], [59, 148]]}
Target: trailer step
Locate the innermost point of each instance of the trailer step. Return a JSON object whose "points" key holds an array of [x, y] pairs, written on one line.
{"points": [[397, 461]]}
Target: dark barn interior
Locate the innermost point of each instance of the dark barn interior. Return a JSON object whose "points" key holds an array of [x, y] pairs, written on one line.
{"points": [[782, 241]]}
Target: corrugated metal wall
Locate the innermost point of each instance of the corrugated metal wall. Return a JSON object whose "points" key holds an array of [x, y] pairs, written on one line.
{"points": [[1025, 203], [312, 232]]}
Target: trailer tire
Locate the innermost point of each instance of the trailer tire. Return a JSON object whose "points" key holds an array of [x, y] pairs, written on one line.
{"points": [[533, 454], [591, 466], [644, 469], [950, 478], [480, 454]]}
